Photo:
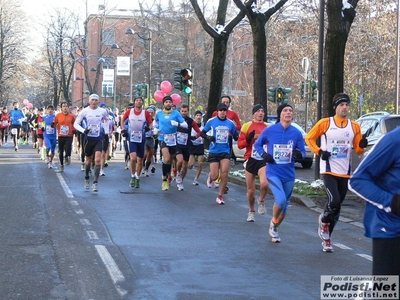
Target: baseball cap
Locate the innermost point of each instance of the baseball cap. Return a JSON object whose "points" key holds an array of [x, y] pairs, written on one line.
{"points": [[222, 106]]}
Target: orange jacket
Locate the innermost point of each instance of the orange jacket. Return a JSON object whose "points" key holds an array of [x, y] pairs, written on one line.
{"points": [[65, 120], [247, 128]]}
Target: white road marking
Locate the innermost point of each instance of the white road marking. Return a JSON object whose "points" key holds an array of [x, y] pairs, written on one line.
{"points": [[112, 268], [75, 203], [366, 256], [79, 212], [64, 185], [92, 235], [85, 222], [341, 246]]}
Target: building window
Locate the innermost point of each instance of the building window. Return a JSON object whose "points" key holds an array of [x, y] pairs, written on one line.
{"points": [[108, 37], [107, 90]]}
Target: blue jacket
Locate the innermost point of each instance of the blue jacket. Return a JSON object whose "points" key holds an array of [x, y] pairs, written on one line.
{"points": [[277, 135], [376, 179], [16, 116], [221, 129]]}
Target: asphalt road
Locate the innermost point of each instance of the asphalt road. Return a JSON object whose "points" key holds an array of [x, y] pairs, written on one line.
{"points": [[60, 241]]}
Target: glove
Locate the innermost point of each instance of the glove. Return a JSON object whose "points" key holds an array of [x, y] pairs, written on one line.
{"points": [[395, 205], [124, 133], [156, 131], [250, 137], [211, 138], [297, 154], [268, 158], [146, 128], [324, 154], [86, 131], [193, 137], [363, 143], [174, 123], [53, 125]]}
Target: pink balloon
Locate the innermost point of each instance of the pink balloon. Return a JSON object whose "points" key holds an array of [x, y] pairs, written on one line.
{"points": [[166, 87], [25, 102], [159, 95], [30, 105], [176, 99]]}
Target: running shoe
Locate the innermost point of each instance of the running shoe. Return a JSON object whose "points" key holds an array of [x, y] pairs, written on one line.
{"points": [[195, 182], [137, 183], [326, 246], [50, 165], [132, 182], [67, 160], [323, 229], [178, 178], [102, 173], [261, 208], [126, 166], [212, 184], [273, 232], [251, 216], [153, 169], [61, 168], [180, 186], [146, 173], [94, 187], [47, 160], [219, 200], [16, 148], [82, 167], [106, 164], [87, 184], [169, 179], [165, 186]]}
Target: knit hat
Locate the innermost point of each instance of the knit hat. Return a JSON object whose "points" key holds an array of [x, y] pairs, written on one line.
{"points": [[94, 96], [198, 112], [103, 105], [279, 111], [257, 107], [340, 98], [166, 98]]}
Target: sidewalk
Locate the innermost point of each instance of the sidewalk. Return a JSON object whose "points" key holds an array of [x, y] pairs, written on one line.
{"points": [[352, 211]]}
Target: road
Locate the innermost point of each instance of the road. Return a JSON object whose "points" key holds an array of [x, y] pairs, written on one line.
{"points": [[60, 241]]}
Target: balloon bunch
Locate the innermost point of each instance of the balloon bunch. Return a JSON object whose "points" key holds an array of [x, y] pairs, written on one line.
{"points": [[166, 88], [27, 103]]}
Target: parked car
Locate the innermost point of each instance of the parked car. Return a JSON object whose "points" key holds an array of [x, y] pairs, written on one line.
{"points": [[306, 162], [374, 125]]}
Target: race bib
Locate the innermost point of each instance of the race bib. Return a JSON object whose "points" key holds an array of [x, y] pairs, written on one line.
{"points": [[222, 136], [64, 130], [94, 131], [182, 138], [283, 153], [49, 129], [254, 153], [136, 136], [5, 123], [170, 139], [340, 149]]}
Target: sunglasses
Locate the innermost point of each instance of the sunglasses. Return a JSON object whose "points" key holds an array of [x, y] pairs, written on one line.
{"points": [[222, 109]]}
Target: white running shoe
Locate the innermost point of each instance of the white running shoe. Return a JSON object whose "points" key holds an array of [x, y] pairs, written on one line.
{"points": [[195, 182], [102, 173], [219, 201], [50, 165], [261, 208], [212, 184], [61, 168], [146, 173], [180, 186], [86, 184], [251, 216], [327, 246], [273, 232], [178, 178], [67, 160], [323, 229], [94, 187], [83, 167]]}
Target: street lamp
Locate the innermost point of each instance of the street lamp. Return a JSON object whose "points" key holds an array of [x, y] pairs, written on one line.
{"points": [[149, 38], [115, 46], [83, 92]]}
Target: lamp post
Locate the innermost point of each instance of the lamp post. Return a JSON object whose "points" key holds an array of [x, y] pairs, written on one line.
{"points": [[86, 92], [149, 38], [115, 46]]}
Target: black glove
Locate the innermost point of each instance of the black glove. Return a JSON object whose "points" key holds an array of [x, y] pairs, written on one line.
{"points": [[235, 136], [146, 128], [75, 131], [324, 154], [193, 137], [86, 131], [395, 205], [250, 137], [363, 143], [124, 133], [106, 138], [268, 158], [211, 138], [53, 125], [297, 154]]}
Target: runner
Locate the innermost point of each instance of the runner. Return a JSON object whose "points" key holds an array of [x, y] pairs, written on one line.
{"points": [[149, 151], [254, 164], [196, 148], [50, 135], [140, 121], [64, 122], [4, 125], [16, 118], [278, 145], [94, 137], [166, 122], [39, 132]]}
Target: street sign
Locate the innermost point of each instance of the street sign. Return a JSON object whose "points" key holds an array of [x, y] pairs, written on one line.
{"points": [[238, 93]]}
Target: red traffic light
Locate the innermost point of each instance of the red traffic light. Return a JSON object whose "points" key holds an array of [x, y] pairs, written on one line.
{"points": [[187, 73]]}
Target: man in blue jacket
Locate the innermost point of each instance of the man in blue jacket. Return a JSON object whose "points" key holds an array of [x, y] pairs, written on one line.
{"points": [[377, 180], [16, 118]]}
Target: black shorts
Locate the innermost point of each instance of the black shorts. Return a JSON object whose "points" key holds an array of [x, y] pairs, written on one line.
{"points": [[92, 146], [171, 149], [196, 149], [105, 145], [184, 152], [150, 142], [217, 157], [254, 165], [40, 136]]}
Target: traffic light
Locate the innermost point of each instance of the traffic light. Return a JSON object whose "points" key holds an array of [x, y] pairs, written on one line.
{"points": [[302, 89], [272, 94], [314, 90], [183, 80], [139, 90], [145, 90], [285, 97], [279, 94]]}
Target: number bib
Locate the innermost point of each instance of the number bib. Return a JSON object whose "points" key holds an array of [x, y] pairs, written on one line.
{"points": [[340, 149], [5, 123], [254, 153], [222, 136], [49, 129], [170, 139], [136, 136], [283, 153], [182, 138], [64, 129], [94, 131]]}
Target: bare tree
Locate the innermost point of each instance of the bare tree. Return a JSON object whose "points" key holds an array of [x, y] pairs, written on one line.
{"points": [[220, 34]]}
